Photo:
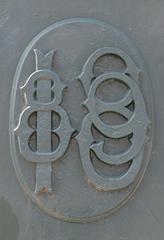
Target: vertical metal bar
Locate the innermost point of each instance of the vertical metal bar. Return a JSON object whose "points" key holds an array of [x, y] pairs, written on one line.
{"points": [[43, 170]]}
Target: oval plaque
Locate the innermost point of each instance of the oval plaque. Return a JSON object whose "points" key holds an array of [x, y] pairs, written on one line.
{"points": [[80, 120]]}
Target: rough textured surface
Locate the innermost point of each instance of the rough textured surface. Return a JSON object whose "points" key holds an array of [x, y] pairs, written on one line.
{"points": [[142, 21]]}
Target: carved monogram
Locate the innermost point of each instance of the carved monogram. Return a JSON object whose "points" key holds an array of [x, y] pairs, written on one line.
{"points": [[135, 127], [43, 94]]}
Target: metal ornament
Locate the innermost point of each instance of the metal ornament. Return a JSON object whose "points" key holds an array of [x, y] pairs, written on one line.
{"points": [[135, 127], [81, 120], [43, 95]]}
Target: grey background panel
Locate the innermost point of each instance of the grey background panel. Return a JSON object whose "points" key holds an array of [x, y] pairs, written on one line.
{"points": [[143, 22]]}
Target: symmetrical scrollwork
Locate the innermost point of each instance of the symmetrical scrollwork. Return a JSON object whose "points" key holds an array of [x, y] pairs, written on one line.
{"points": [[43, 95], [135, 126]]}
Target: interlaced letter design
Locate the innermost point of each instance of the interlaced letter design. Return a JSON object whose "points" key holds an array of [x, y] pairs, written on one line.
{"points": [[43, 95], [135, 127]]}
